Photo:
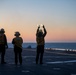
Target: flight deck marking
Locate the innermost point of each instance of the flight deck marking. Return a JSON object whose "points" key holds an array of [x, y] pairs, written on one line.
{"points": [[58, 62]]}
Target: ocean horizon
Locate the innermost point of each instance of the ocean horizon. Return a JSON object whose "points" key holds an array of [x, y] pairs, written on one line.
{"points": [[48, 45]]}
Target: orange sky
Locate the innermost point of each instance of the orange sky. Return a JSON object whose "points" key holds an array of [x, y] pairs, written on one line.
{"points": [[59, 18]]}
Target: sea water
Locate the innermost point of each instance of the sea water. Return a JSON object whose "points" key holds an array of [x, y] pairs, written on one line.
{"points": [[49, 45]]}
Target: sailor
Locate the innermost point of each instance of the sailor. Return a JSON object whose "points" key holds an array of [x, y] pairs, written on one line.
{"points": [[17, 42], [40, 44], [3, 45]]}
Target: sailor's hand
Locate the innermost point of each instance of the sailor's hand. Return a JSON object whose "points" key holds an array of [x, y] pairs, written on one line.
{"points": [[39, 26], [43, 26]]}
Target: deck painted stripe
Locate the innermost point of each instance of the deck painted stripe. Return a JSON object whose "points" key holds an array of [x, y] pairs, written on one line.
{"points": [[58, 62]]}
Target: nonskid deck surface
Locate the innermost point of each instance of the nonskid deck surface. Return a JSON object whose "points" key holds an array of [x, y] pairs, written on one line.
{"points": [[54, 63]]}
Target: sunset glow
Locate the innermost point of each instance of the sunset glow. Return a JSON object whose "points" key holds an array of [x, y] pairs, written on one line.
{"points": [[58, 16]]}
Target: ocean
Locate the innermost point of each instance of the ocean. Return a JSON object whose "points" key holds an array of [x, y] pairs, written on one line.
{"points": [[71, 46]]}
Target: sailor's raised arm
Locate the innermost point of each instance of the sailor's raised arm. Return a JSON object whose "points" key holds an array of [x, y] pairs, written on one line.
{"points": [[45, 32], [37, 30]]}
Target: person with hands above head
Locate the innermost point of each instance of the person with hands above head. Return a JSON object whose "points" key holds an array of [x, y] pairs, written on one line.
{"points": [[40, 43], [3, 45]]}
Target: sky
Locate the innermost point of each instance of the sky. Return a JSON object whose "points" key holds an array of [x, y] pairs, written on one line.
{"points": [[58, 16]]}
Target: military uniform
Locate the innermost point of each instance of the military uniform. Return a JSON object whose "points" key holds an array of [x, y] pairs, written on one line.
{"points": [[3, 45], [17, 41], [40, 45]]}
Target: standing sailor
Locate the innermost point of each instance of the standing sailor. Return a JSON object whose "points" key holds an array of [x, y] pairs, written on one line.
{"points": [[40, 44], [17, 42], [3, 45]]}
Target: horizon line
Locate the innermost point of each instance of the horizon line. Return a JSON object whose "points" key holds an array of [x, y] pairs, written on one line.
{"points": [[47, 42]]}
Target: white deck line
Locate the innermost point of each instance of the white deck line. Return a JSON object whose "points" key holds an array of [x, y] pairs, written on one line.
{"points": [[60, 62]]}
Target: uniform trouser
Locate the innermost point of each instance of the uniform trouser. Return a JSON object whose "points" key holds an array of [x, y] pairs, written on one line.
{"points": [[2, 51], [18, 55], [40, 51]]}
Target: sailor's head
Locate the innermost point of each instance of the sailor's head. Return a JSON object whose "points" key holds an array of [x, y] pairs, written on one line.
{"points": [[17, 33], [40, 33], [2, 30]]}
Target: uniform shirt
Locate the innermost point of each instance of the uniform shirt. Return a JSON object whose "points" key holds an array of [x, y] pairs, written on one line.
{"points": [[17, 41], [3, 39], [40, 40]]}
